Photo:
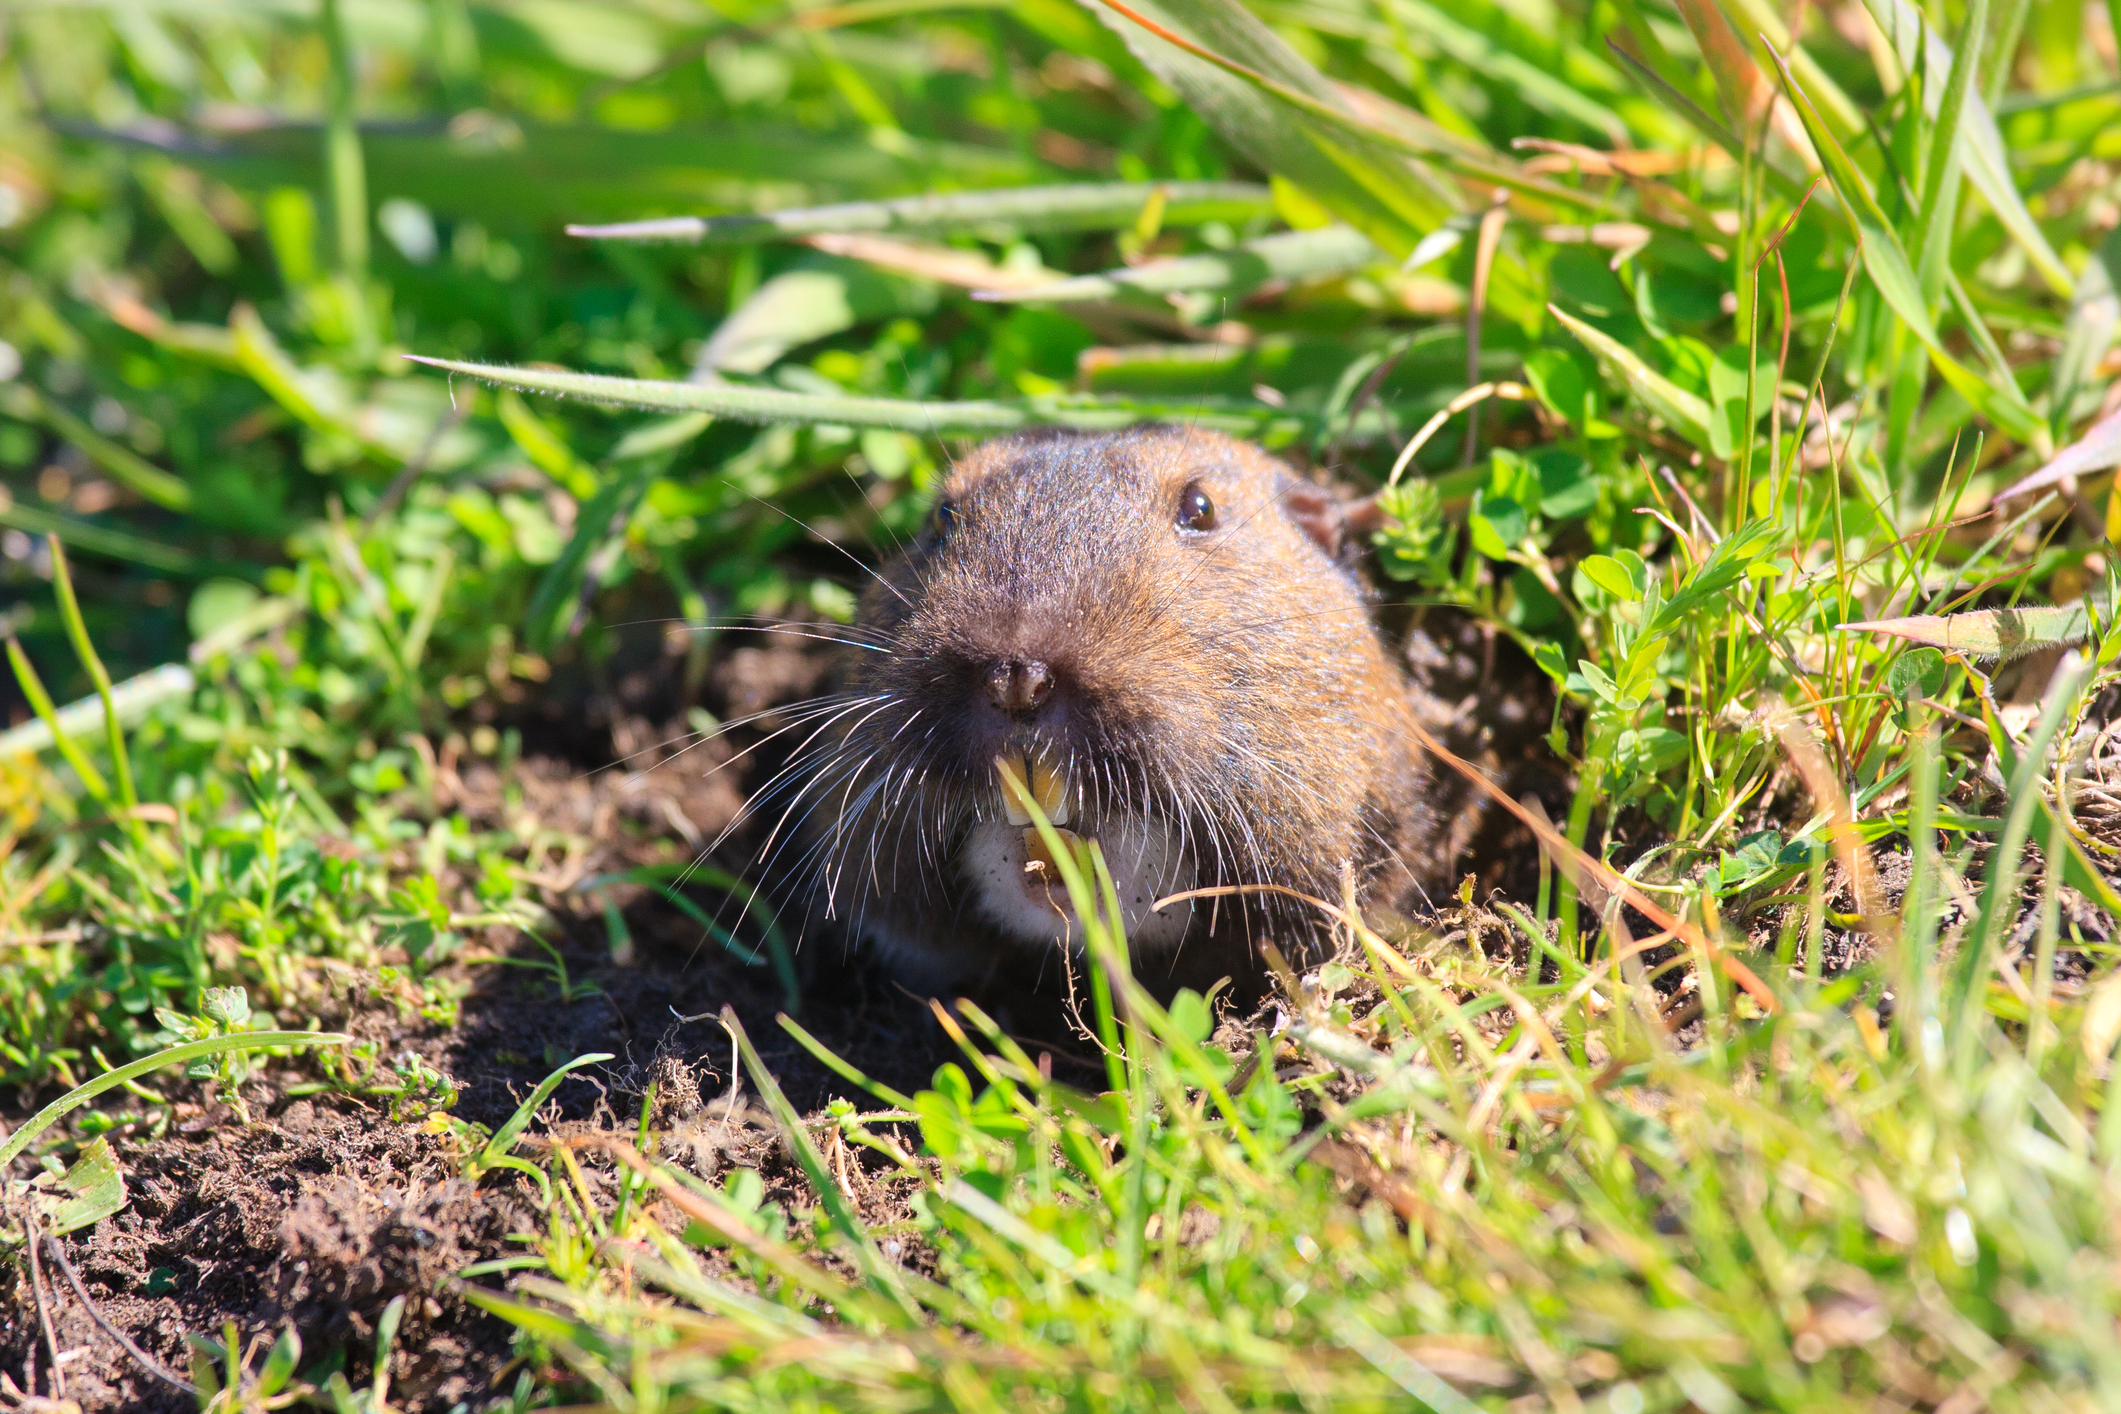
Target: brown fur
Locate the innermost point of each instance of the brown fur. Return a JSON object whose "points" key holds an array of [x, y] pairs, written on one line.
{"points": [[1228, 685]]}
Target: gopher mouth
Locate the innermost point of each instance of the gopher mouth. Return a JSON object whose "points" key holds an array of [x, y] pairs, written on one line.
{"points": [[1038, 779], [1017, 887]]}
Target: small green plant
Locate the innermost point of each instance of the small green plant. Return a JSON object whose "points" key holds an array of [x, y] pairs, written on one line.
{"points": [[376, 1398], [421, 924], [224, 1382], [486, 1152], [223, 1011], [203, 1048]]}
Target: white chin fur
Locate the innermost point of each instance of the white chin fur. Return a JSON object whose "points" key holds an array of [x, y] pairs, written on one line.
{"points": [[1145, 863]]}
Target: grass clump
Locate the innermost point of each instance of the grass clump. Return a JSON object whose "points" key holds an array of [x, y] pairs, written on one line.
{"points": [[1443, 1179], [1746, 393]]}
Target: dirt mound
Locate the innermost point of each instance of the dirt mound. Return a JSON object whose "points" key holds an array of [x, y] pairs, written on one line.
{"points": [[312, 1218], [322, 1209]]}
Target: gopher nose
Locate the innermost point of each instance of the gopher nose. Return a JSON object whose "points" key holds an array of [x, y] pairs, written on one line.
{"points": [[1019, 687]]}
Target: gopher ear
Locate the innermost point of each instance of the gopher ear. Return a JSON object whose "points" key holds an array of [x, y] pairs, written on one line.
{"points": [[1317, 512]]}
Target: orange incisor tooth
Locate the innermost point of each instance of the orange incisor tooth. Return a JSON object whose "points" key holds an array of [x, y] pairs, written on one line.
{"points": [[1014, 778], [1039, 780], [1050, 789], [1039, 860]]}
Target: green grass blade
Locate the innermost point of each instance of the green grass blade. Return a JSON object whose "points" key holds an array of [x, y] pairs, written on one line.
{"points": [[748, 404], [882, 1273], [840, 1067], [40, 702], [759, 1316], [320, 404], [1914, 951], [712, 1209], [1279, 111], [1687, 414], [1940, 187], [1725, 566], [547, 451], [1781, 178], [175, 1055], [1417, 1379], [343, 164], [1554, 75], [92, 664], [125, 466], [2078, 869], [1885, 260], [504, 1138], [1654, 83], [1246, 116], [819, 298], [1980, 952], [518, 170], [665, 434], [2094, 314], [2009, 31], [1980, 141], [664, 878], [386, 1339], [1288, 255], [562, 584], [1089, 1271], [111, 544], [996, 214], [2001, 376], [1763, 18], [1551, 93], [535, 1320], [134, 699], [456, 52], [1988, 634], [188, 217]]}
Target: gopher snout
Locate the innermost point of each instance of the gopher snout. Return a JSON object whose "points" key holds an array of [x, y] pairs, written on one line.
{"points": [[1019, 687]]}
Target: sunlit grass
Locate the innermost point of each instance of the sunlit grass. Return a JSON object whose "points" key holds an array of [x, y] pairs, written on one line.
{"points": [[1447, 1179]]}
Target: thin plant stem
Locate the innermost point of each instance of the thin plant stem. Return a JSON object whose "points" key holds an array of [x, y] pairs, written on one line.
{"points": [[40, 702], [77, 634], [343, 162]]}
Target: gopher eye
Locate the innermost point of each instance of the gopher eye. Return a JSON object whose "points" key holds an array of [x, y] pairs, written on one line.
{"points": [[944, 520], [1195, 510]]}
